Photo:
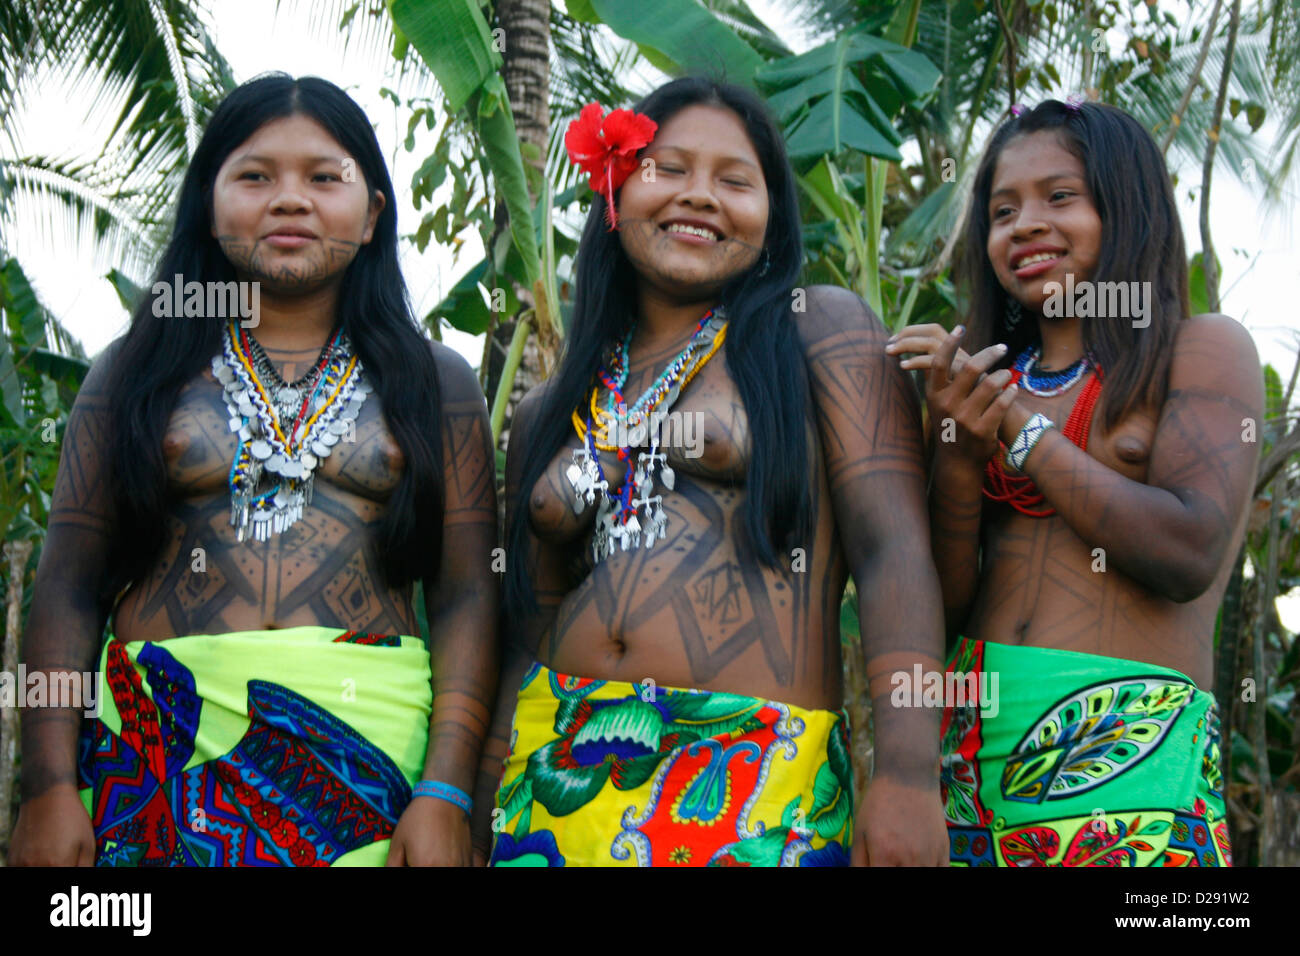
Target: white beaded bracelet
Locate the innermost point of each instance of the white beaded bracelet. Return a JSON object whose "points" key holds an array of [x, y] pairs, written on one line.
{"points": [[1025, 441]]}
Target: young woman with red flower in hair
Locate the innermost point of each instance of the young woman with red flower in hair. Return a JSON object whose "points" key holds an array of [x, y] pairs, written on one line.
{"points": [[716, 453], [1094, 461]]}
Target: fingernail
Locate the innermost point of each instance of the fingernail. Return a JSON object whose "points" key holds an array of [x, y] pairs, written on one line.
{"points": [[1002, 347], [959, 330]]}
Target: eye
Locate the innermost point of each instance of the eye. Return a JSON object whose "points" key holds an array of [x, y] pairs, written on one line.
{"points": [[1061, 193], [329, 177], [249, 173], [736, 182], [1001, 212], [671, 169]]}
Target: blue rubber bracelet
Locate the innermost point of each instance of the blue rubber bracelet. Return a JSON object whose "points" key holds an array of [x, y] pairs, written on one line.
{"points": [[445, 791]]}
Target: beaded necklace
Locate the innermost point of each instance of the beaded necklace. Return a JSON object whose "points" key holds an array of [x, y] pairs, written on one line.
{"points": [[1026, 373], [617, 519], [271, 477], [1019, 491]]}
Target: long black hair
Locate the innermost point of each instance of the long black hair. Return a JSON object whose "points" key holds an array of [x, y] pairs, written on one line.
{"points": [[763, 353], [158, 355], [1141, 240]]}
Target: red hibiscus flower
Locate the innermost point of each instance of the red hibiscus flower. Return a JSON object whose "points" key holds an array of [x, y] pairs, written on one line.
{"points": [[606, 148]]}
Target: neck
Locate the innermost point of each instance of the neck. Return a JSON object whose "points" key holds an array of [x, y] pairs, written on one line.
{"points": [[1062, 343], [300, 323], [662, 320]]}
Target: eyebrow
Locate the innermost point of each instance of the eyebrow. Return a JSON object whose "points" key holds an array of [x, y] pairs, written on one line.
{"points": [[311, 160], [1038, 182], [726, 159]]}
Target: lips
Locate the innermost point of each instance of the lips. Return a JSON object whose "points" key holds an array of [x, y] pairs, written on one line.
{"points": [[290, 231], [289, 237], [1033, 255], [693, 229]]}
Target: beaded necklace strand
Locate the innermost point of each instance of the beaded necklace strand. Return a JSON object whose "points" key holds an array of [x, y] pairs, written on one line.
{"points": [[1019, 491], [617, 521]]}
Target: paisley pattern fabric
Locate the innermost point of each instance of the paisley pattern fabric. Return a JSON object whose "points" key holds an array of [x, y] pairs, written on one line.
{"points": [[294, 747], [606, 773], [1082, 760]]}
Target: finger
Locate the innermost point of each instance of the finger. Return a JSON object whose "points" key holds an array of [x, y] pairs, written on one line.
{"points": [[917, 363], [985, 393], [992, 417], [914, 343], [396, 857], [922, 329], [979, 363], [938, 377]]}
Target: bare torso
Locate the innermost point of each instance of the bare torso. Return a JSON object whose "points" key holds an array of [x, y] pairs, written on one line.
{"points": [[694, 611], [324, 570], [1041, 585]]}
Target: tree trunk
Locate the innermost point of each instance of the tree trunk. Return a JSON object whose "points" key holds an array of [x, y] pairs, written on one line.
{"points": [[17, 553], [527, 75]]}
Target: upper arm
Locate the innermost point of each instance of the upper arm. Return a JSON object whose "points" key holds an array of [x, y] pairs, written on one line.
{"points": [[469, 527], [69, 605], [82, 515], [1206, 448], [869, 422]]}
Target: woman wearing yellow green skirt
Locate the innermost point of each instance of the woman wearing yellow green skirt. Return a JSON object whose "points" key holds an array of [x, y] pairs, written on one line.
{"points": [[253, 480], [718, 450], [1094, 463]]}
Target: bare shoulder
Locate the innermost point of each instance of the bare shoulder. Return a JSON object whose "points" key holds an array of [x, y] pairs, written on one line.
{"points": [[1217, 332], [531, 402], [457, 382], [102, 366], [1215, 352], [830, 310]]}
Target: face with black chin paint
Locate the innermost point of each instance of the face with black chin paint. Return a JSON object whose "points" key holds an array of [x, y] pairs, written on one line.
{"points": [[700, 219], [290, 209]]}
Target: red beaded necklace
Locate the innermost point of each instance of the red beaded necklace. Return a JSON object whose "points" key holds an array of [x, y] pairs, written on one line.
{"points": [[1019, 491]]}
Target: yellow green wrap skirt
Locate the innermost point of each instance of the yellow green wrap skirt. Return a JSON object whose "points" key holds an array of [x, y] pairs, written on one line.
{"points": [[293, 747], [606, 773]]}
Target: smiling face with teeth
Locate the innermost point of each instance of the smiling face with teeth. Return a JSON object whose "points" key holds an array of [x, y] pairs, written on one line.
{"points": [[1043, 222], [702, 218]]}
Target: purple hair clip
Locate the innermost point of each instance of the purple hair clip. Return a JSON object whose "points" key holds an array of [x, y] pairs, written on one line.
{"points": [[1074, 101], [1017, 109]]}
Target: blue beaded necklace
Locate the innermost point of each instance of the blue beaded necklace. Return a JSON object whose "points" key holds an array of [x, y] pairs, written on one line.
{"points": [[1047, 384]]}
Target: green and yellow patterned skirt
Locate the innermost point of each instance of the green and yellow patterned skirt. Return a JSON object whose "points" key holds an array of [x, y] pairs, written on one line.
{"points": [[1065, 759]]}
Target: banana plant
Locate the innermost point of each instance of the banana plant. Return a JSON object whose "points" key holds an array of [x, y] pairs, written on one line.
{"points": [[453, 39]]}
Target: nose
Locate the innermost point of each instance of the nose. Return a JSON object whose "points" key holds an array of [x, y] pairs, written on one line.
{"points": [[1029, 221], [291, 198], [697, 191]]}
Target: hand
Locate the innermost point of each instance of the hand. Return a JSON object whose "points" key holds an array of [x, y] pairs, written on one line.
{"points": [[976, 402], [900, 824], [924, 340], [431, 832], [53, 830]]}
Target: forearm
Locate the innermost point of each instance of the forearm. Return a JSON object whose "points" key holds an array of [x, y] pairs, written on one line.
{"points": [[902, 627], [515, 663], [956, 504], [1165, 541], [62, 638], [464, 659]]}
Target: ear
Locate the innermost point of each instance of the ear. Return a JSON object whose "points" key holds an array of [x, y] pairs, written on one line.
{"points": [[377, 202]]}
